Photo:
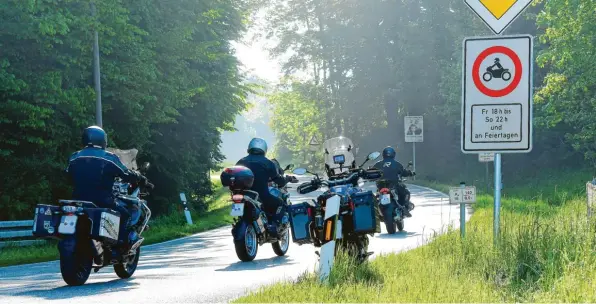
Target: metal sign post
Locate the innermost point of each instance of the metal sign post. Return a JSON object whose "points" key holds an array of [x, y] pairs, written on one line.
{"points": [[414, 132], [462, 195], [486, 158], [497, 89]]}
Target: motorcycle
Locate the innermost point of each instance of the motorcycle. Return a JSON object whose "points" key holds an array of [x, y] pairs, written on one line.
{"points": [[356, 218], [251, 227], [392, 213], [88, 234], [496, 73]]}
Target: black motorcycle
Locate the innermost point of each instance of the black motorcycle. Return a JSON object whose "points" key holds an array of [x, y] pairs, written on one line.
{"points": [[251, 227], [356, 217], [88, 234], [392, 213]]}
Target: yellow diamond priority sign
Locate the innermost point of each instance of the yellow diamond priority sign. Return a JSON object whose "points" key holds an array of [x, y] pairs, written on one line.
{"points": [[498, 14]]}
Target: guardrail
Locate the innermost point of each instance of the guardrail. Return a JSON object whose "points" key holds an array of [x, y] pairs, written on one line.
{"points": [[17, 233]]}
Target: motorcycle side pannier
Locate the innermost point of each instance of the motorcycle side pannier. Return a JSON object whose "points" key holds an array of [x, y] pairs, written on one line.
{"points": [[300, 221], [237, 178], [105, 224], [364, 217], [45, 222]]}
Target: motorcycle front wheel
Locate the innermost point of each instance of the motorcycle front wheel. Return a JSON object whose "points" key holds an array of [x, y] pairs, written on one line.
{"points": [[247, 247], [281, 247], [128, 268], [506, 76], [75, 260]]}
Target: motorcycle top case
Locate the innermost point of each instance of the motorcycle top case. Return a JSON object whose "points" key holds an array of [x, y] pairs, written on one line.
{"points": [[105, 224], [45, 222], [237, 178], [364, 216], [300, 221]]}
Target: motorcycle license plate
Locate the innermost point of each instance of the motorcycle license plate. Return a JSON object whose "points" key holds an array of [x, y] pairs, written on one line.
{"points": [[68, 224], [237, 210], [386, 199]]}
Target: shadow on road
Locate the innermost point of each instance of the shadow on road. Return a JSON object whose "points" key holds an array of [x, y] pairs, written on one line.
{"points": [[67, 292], [259, 264], [398, 235]]}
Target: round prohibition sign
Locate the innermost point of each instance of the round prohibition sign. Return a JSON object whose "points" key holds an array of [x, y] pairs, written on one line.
{"points": [[516, 78]]}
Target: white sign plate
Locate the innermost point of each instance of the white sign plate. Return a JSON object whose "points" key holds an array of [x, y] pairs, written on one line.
{"points": [[497, 95], [459, 195], [486, 157], [414, 128], [182, 197], [498, 14]]}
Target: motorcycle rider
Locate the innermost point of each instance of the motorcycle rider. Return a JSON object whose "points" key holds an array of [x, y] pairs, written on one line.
{"points": [[392, 171], [497, 64], [93, 170], [264, 171]]}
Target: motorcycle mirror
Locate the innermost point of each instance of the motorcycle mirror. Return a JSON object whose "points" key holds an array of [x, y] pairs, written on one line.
{"points": [[299, 171], [373, 156], [288, 167]]}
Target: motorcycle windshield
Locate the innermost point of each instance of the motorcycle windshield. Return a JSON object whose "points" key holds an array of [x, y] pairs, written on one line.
{"points": [[128, 157], [339, 149]]}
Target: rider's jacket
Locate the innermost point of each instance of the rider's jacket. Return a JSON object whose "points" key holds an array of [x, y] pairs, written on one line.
{"points": [[93, 171], [263, 170], [392, 170]]}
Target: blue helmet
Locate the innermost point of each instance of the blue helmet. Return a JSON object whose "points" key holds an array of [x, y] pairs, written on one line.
{"points": [[95, 136], [257, 146], [389, 153]]}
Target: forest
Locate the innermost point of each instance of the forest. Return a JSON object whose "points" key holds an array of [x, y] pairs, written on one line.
{"points": [[170, 86], [373, 62]]}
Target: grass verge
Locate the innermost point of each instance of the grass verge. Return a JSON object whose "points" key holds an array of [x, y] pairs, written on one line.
{"points": [[546, 253], [162, 229]]}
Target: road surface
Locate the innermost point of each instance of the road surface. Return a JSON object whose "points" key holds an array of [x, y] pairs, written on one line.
{"points": [[203, 268]]}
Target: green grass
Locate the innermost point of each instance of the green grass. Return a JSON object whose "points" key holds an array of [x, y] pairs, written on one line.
{"points": [[546, 253], [162, 229]]}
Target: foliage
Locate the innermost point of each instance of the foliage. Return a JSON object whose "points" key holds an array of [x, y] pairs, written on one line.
{"points": [[374, 62], [170, 86]]}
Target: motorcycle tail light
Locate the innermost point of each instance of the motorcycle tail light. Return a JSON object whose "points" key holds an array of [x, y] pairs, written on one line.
{"points": [[69, 209], [309, 212], [351, 205], [384, 191], [237, 198]]}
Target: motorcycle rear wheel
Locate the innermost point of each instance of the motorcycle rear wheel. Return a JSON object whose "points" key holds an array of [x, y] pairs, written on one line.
{"points": [[75, 260], [388, 219], [126, 270], [248, 246]]}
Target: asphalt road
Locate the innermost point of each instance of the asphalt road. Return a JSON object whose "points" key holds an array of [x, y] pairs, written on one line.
{"points": [[203, 268]]}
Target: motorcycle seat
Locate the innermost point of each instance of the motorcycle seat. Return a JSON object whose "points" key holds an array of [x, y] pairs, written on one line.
{"points": [[84, 204]]}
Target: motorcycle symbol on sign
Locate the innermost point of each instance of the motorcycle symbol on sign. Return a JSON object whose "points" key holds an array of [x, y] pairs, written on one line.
{"points": [[499, 72]]}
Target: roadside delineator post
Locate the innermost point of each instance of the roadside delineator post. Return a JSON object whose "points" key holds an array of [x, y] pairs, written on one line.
{"points": [[186, 210]]}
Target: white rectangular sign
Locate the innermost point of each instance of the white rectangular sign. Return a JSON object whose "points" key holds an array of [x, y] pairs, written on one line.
{"points": [[497, 94], [459, 195], [414, 128], [486, 157]]}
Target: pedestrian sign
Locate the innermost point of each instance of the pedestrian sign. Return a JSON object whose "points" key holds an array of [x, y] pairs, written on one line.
{"points": [[498, 14], [414, 128], [497, 95]]}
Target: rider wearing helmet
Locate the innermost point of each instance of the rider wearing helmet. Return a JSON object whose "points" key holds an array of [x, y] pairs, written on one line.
{"points": [[497, 64], [93, 170], [264, 171], [392, 171]]}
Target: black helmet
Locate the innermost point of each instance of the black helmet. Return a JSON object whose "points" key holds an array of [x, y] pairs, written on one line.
{"points": [[497, 59], [388, 152], [95, 136]]}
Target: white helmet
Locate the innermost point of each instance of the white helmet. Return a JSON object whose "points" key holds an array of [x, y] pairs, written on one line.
{"points": [[257, 146]]}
